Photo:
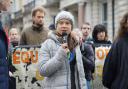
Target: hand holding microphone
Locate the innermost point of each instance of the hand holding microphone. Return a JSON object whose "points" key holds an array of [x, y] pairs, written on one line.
{"points": [[65, 44], [65, 37]]}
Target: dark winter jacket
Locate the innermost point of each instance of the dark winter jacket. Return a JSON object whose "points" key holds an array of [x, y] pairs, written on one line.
{"points": [[88, 60], [101, 42], [115, 71], [4, 75]]}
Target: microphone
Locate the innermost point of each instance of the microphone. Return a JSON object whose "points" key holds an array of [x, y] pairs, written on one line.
{"points": [[65, 37]]}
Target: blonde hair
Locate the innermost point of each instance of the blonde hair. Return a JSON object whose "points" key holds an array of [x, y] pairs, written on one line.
{"points": [[15, 30]]}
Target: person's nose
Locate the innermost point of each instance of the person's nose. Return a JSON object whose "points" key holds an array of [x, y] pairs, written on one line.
{"points": [[85, 30], [41, 19]]}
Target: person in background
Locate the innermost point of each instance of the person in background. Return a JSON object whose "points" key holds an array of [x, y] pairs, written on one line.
{"points": [[86, 30], [37, 33], [100, 35], [87, 53], [116, 63], [14, 36], [4, 72], [100, 39], [60, 60]]}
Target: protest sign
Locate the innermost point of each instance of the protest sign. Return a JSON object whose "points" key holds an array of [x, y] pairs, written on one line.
{"points": [[25, 59]]}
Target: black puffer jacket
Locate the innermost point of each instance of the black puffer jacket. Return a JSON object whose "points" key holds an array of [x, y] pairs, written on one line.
{"points": [[88, 60]]}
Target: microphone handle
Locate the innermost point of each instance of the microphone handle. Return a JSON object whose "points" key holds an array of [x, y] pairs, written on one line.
{"points": [[65, 39]]}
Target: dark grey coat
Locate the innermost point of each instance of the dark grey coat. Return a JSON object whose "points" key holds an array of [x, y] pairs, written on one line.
{"points": [[88, 60]]}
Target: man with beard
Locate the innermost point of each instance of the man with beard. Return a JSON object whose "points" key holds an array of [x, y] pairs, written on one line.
{"points": [[37, 33]]}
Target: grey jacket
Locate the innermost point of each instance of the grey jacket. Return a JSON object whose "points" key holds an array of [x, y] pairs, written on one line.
{"points": [[54, 66]]}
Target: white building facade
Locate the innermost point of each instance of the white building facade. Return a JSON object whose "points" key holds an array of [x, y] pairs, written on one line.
{"points": [[107, 12]]}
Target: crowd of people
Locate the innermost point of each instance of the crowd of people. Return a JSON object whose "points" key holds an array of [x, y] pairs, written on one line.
{"points": [[66, 58]]}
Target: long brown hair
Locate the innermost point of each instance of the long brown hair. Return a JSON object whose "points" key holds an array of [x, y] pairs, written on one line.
{"points": [[72, 41], [123, 26]]}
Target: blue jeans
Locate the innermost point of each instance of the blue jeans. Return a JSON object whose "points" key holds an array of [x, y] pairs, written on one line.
{"points": [[88, 84]]}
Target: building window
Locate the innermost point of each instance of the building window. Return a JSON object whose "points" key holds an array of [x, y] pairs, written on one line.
{"points": [[104, 14]]}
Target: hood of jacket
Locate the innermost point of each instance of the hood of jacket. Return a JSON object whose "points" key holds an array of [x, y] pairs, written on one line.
{"points": [[52, 35]]}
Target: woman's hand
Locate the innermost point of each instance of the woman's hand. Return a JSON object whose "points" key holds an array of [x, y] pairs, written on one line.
{"points": [[65, 47]]}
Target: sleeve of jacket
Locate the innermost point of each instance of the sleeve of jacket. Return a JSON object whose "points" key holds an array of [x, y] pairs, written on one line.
{"points": [[88, 57], [48, 65], [110, 68]]}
